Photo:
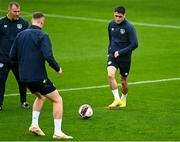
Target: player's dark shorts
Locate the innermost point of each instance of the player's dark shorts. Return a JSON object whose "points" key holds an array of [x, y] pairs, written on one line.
{"points": [[43, 87], [122, 65]]}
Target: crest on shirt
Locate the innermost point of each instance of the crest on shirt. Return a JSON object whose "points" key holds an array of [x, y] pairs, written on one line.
{"points": [[5, 26], [122, 31], [19, 26], [112, 29]]}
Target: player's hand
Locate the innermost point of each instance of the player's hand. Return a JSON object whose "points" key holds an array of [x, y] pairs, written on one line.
{"points": [[116, 54], [60, 71]]}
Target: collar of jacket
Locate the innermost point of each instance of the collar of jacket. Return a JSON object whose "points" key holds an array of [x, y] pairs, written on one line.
{"points": [[34, 27]]}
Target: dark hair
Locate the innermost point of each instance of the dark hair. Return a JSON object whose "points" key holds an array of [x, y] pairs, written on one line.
{"points": [[120, 9], [37, 15], [13, 3]]}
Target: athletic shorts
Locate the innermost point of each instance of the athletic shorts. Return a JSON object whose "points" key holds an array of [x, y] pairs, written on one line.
{"points": [[123, 66], [43, 87]]}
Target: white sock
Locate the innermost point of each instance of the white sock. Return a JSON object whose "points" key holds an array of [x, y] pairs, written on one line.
{"points": [[35, 118], [116, 94], [123, 97], [57, 126]]}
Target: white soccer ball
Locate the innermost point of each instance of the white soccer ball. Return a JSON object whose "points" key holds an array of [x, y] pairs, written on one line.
{"points": [[85, 111]]}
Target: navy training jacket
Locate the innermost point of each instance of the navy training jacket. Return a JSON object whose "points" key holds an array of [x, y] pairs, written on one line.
{"points": [[8, 32], [31, 48], [122, 38]]}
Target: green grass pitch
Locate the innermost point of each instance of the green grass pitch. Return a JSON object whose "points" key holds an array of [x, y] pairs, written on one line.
{"points": [[80, 46]]}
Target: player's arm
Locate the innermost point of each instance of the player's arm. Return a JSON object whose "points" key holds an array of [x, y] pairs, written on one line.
{"points": [[1, 25], [13, 51], [109, 35], [110, 52], [48, 54]]}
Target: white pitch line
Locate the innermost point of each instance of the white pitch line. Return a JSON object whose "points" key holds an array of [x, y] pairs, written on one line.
{"points": [[28, 14], [106, 21], [156, 25], [105, 86]]}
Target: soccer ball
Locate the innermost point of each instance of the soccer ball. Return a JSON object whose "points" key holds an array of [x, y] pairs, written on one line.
{"points": [[85, 111]]}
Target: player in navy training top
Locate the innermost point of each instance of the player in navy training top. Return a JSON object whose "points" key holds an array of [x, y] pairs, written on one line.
{"points": [[31, 49], [10, 26], [122, 41]]}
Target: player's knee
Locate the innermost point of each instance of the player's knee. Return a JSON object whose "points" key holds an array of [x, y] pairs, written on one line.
{"points": [[57, 98], [111, 76]]}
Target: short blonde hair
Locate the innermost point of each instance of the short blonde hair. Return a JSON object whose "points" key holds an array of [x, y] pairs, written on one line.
{"points": [[37, 15]]}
